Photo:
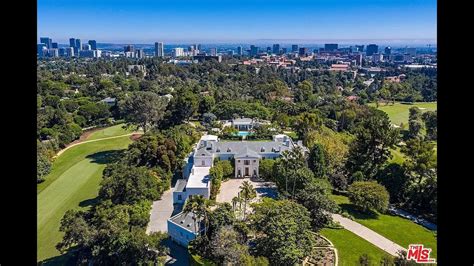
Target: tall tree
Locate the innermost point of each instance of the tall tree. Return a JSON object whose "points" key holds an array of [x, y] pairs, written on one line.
{"points": [[247, 192], [144, 109], [317, 161], [415, 124], [431, 124], [371, 148]]}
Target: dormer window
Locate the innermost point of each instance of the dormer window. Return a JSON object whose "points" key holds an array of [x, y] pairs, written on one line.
{"points": [[218, 150], [262, 149], [229, 150]]}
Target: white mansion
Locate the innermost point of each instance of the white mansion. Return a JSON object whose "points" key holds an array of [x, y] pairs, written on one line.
{"points": [[245, 153]]}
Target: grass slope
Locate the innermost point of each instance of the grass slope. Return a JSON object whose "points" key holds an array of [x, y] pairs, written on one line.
{"points": [[400, 230], [398, 113], [73, 183], [112, 131], [350, 247]]}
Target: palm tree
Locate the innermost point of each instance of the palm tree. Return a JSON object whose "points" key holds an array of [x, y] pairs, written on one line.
{"points": [[247, 192], [234, 202], [197, 205]]}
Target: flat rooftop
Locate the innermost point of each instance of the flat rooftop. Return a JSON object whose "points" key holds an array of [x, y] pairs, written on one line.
{"points": [[199, 177]]}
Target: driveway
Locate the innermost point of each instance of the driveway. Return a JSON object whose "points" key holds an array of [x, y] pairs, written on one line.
{"points": [[369, 235], [230, 189], [161, 210]]}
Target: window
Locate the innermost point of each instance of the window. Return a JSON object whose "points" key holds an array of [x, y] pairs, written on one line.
{"points": [[203, 163], [254, 161], [246, 162], [180, 197], [238, 161]]}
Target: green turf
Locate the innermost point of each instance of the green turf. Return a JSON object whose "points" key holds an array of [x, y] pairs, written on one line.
{"points": [[350, 247], [398, 113], [397, 156], [400, 230], [73, 183], [112, 131]]}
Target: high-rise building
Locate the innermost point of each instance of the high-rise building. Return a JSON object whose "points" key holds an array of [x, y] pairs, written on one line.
{"points": [[253, 50], [198, 46], [294, 48], [177, 52], [276, 48], [54, 45], [303, 51], [377, 58], [41, 49], [47, 41], [93, 44], [330, 47], [53, 52], [372, 49], [72, 42], [159, 49], [388, 50], [213, 51], [359, 48], [284, 50], [230, 52], [62, 52], [69, 51], [86, 47], [240, 50], [129, 48], [140, 53]]}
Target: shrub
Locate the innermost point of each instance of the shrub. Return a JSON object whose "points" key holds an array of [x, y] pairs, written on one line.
{"points": [[216, 174], [369, 196]]}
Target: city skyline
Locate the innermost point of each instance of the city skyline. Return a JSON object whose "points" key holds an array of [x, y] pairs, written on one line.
{"points": [[146, 21]]}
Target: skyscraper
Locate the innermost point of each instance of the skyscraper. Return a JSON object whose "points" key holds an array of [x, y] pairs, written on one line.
{"points": [[47, 41], [253, 50], [140, 53], [41, 49], [294, 48], [129, 48], [303, 51], [372, 49], [276, 48], [388, 50], [86, 47], [69, 52], [72, 42], [93, 44], [78, 47], [359, 48], [159, 49], [330, 47], [284, 50], [239, 50], [54, 45], [213, 51], [177, 52]]}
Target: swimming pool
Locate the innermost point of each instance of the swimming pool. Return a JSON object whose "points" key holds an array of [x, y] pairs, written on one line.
{"points": [[243, 133]]}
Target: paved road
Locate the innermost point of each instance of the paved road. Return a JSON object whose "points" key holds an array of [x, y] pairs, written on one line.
{"points": [[93, 140], [230, 189], [369, 235], [161, 210]]}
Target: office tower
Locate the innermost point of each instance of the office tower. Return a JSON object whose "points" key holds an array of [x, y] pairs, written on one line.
{"points": [[159, 49], [177, 52], [253, 50], [231, 52], [69, 51], [53, 52], [294, 48], [198, 47], [377, 58], [47, 41], [359, 48], [303, 51], [86, 47], [191, 48], [93, 44], [388, 50], [54, 45], [213, 51], [41, 49], [78, 44], [284, 50], [62, 52], [140, 53], [359, 59], [72, 42], [239, 50], [372, 49], [129, 48], [276, 48], [88, 53], [330, 47]]}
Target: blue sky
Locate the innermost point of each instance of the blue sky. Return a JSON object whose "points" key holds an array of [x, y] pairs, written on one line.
{"points": [[146, 21]]}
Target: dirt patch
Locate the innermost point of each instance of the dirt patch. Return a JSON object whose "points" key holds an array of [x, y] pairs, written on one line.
{"points": [[135, 136]]}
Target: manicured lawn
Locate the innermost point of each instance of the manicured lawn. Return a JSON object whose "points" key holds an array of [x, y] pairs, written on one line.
{"points": [[397, 156], [350, 247], [73, 183], [112, 131], [398, 113], [399, 230]]}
